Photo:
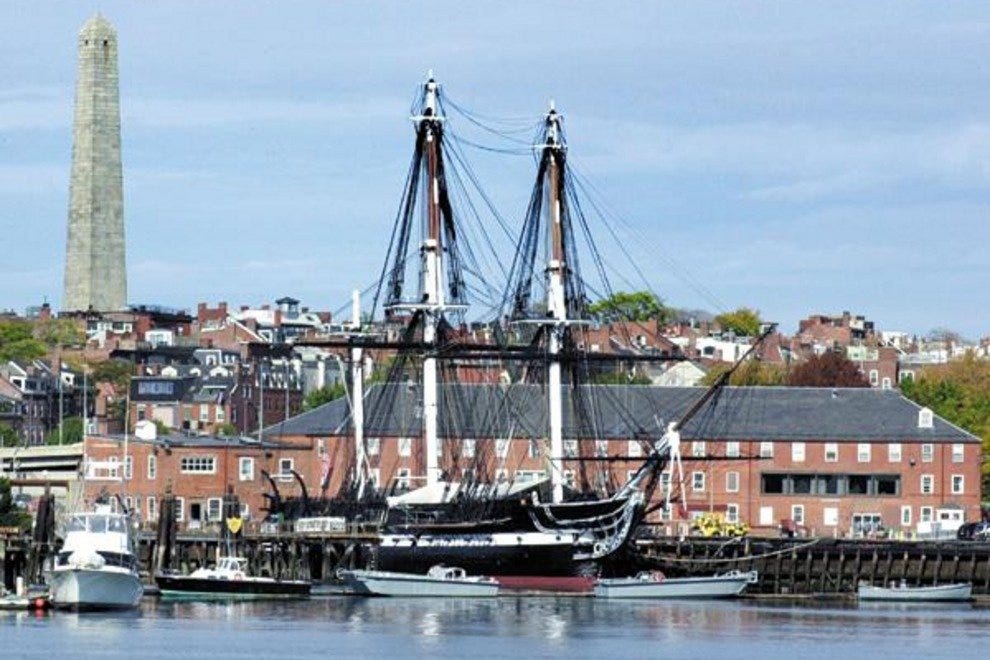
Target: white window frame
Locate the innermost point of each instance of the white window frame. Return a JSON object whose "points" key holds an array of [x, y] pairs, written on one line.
{"points": [[732, 481], [204, 413], [731, 512], [797, 452], [927, 453], [151, 504], [501, 447], [961, 481], [634, 449], [212, 502], [927, 484], [698, 448], [198, 464], [926, 514], [403, 478], [766, 449], [532, 449], [874, 377], [831, 452], [321, 447], [219, 415], [732, 449], [468, 447], [152, 467], [797, 514], [864, 452], [571, 448], [283, 474], [242, 474], [958, 452], [697, 482], [180, 509], [374, 478], [905, 515], [373, 446], [405, 447], [894, 452], [128, 468], [830, 516], [601, 448]]}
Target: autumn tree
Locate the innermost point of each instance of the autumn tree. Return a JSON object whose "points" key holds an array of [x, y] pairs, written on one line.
{"points": [[830, 369], [639, 306], [59, 332], [749, 373], [744, 322]]}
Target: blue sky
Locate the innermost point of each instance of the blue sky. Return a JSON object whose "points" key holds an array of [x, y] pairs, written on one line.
{"points": [[794, 157]]}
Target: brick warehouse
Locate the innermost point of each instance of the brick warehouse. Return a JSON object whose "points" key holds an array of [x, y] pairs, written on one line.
{"points": [[831, 461]]}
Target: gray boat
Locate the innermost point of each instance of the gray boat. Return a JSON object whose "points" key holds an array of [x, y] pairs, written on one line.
{"points": [[943, 593], [655, 586], [446, 581]]}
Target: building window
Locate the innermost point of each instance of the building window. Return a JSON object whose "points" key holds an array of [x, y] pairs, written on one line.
{"points": [[732, 449], [152, 505], [374, 478], [927, 453], [926, 515], [885, 383], [198, 465], [128, 467], [601, 448], [863, 452], [698, 482], [285, 466], [926, 419], [894, 452], [405, 446], [766, 450], [732, 482], [468, 447], [220, 416], [797, 513], [245, 511], [698, 448], [831, 452], [905, 515], [797, 452], [569, 478], [152, 467], [958, 484], [501, 447], [635, 450], [245, 468], [180, 509], [214, 509], [374, 446], [830, 516], [321, 447], [533, 449], [402, 478], [927, 484], [570, 448], [204, 413], [958, 453], [732, 513]]}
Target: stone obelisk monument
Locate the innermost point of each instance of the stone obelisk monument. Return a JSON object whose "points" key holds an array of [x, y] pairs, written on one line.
{"points": [[95, 275]]}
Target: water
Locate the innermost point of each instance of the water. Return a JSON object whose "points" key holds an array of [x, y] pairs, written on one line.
{"points": [[505, 627]]}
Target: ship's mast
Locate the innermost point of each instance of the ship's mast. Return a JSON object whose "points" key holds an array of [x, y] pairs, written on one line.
{"points": [[433, 290], [556, 302], [357, 394]]}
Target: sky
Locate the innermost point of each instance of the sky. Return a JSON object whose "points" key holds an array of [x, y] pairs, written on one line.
{"points": [[797, 158]]}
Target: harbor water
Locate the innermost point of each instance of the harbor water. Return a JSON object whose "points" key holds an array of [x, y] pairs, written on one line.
{"points": [[504, 627]]}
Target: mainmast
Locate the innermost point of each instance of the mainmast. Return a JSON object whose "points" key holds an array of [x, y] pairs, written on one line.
{"points": [[556, 302]]}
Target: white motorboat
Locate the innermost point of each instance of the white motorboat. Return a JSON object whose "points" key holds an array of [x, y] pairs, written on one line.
{"points": [[229, 579], [96, 568], [439, 581], [943, 593], [656, 586]]}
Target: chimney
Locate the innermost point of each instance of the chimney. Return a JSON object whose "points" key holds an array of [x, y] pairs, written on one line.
{"points": [[222, 306], [278, 317]]}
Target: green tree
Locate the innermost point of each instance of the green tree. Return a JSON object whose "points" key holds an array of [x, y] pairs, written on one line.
{"points": [[317, 398], [11, 515], [59, 332], [227, 430], [116, 372], [744, 322], [960, 392], [72, 432], [749, 373], [8, 437], [639, 306], [827, 370], [18, 343]]}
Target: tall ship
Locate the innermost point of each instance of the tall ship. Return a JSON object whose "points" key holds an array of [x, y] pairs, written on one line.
{"points": [[536, 378]]}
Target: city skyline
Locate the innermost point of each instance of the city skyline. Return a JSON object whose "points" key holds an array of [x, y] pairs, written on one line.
{"points": [[789, 160]]}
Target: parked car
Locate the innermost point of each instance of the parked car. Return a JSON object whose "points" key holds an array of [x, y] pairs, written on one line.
{"points": [[974, 531]]}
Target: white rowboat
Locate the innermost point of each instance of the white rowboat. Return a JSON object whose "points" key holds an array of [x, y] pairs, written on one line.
{"points": [[439, 581], [902, 592], [656, 586]]}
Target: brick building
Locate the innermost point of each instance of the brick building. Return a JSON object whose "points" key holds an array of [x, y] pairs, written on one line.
{"points": [[833, 461]]}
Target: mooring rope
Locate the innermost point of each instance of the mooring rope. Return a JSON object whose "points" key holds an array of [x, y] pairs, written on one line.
{"points": [[703, 560]]}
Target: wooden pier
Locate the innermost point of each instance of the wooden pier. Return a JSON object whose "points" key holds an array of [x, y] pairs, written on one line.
{"points": [[823, 566]]}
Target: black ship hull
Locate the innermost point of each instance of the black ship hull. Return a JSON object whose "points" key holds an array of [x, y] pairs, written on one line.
{"points": [[185, 586]]}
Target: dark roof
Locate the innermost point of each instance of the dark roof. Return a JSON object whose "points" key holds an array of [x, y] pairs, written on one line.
{"points": [[205, 441], [626, 411]]}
